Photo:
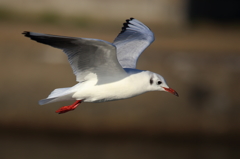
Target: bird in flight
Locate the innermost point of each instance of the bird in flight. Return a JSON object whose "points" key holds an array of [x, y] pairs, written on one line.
{"points": [[104, 71]]}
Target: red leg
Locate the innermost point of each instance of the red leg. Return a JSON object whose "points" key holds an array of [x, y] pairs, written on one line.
{"points": [[65, 109]]}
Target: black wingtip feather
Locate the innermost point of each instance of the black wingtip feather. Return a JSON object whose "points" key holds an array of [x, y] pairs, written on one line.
{"points": [[26, 33], [125, 25]]}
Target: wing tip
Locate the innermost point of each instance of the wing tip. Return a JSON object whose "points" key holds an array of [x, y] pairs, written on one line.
{"points": [[125, 25], [26, 33]]}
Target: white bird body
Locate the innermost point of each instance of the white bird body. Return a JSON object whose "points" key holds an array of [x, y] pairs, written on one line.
{"points": [[105, 71], [122, 89], [125, 88]]}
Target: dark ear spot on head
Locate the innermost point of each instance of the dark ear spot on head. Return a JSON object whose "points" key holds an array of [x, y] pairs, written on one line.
{"points": [[151, 81]]}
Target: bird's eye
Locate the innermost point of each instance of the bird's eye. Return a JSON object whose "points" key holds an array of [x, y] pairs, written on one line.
{"points": [[159, 82], [151, 81]]}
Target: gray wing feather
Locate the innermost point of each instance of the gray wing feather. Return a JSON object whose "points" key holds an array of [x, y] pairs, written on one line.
{"points": [[86, 56], [134, 38]]}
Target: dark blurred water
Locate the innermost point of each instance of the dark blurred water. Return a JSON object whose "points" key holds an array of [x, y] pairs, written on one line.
{"points": [[30, 144]]}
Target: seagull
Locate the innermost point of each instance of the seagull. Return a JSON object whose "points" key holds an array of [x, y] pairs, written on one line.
{"points": [[104, 71]]}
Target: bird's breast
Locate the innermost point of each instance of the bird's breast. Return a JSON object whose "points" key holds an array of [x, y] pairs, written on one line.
{"points": [[122, 89]]}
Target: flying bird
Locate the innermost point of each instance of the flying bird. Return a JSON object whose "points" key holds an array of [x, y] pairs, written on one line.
{"points": [[104, 71]]}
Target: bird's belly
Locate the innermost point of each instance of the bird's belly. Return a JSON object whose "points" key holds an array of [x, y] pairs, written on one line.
{"points": [[109, 92]]}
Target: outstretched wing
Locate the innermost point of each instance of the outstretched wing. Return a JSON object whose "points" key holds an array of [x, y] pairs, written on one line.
{"points": [[134, 38], [86, 56]]}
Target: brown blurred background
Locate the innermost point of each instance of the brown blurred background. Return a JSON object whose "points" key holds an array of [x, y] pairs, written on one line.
{"points": [[197, 50]]}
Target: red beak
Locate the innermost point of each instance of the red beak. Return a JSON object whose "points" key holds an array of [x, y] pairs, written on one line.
{"points": [[170, 90]]}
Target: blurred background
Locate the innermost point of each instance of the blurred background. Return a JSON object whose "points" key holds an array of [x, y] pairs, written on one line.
{"points": [[197, 50]]}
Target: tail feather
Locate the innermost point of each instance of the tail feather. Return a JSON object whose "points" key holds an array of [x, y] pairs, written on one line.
{"points": [[59, 94], [45, 101]]}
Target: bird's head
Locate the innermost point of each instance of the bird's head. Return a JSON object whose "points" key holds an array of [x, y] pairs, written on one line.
{"points": [[158, 83]]}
